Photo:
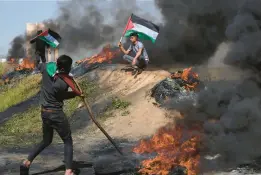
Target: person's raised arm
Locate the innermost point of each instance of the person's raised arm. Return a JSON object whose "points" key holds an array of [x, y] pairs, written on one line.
{"points": [[40, 66], [126, 52]]}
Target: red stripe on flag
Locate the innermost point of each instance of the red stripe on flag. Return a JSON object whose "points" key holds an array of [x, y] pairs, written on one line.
{"points": [[45, 33], [128, 26]]}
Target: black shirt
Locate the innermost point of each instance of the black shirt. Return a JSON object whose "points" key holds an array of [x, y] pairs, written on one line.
{"points": [[53, 91], [39, 45]]}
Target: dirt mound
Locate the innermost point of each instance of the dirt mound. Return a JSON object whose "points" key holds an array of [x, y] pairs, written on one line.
{"points": [[143, 117], [122, 82]]}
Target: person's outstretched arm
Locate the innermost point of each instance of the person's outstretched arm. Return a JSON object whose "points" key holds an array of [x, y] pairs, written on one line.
{"points": [[126, 52], [40, 66]]}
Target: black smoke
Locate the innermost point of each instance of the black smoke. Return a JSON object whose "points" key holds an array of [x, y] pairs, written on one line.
{"points": [[230, 112], [245, 34], [88, 25], [192, 29], [17, 49]]}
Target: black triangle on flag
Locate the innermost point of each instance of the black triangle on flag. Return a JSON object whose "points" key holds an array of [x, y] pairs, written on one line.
{"points": [[54, 34]]}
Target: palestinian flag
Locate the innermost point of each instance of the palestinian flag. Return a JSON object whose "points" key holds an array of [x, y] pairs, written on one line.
{"points": [[50, 37], [145, 29]]}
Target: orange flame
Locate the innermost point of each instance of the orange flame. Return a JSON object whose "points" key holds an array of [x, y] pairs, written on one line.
{"points": [[106, 55], [175, 146], [26, 64], [187, 75]]}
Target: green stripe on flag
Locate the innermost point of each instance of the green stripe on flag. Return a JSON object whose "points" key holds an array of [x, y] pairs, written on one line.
{"points": [[52, 44], [142, 36]]}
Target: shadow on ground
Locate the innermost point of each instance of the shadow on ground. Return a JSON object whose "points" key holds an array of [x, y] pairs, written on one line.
{"points": [[18, 108], [101, 158], [78, 167]]}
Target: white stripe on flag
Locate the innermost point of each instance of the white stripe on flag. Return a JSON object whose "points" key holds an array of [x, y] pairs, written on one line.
{"points": [[56, 42], [145, 30]]}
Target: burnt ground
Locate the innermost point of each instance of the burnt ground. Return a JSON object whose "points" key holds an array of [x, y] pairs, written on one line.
{"points": [[101, 159], [94, 159]]}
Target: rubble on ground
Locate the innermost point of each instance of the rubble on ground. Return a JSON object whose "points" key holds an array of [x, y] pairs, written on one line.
{"points": [[82, 69], [105, 55], [180, 84], [27, 65], [8, 77], [17, 70]]}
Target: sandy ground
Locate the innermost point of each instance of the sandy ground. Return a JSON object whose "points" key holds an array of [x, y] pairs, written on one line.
{"points": [[144, 117]]}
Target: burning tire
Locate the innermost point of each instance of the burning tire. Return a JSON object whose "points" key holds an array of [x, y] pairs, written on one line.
{"points": [[181, 83], [165, 90]]}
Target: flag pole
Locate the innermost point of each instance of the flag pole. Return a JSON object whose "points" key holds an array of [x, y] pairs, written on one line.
{"points": [[125, 28]]}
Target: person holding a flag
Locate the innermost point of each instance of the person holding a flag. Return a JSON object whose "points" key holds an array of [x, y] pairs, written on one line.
{"points": [[55, 83], [138, 29], [141, 58], [45, 39], [40, 46]]}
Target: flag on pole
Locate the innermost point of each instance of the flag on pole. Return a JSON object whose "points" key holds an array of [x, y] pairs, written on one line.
{"points": [[50, 37], [145, 29]]}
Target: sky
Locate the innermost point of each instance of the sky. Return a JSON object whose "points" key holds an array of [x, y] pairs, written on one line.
{"points": [[15, 14]]}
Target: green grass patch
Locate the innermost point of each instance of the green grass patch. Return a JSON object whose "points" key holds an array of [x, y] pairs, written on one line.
{"points": [[90, 89], [21, 128], [25, 128], [3, 67], [23, 90], [117, 103]]}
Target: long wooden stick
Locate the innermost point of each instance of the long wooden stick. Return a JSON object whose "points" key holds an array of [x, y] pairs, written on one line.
{"points": [[96, 122]]}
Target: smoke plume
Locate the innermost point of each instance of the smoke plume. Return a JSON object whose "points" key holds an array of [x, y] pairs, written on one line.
{"points": [[231, 111], [245, 34], [190, 31], [87, 25], [17, 50], [193, 29]]}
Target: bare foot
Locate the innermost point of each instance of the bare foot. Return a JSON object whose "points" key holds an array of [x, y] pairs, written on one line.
{"points": [[27, 163], [69, 172], [24, 168]]}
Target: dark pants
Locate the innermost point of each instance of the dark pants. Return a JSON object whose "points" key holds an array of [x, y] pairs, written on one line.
{"points": [[55, 121], [40, 56], [141, 62]]}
